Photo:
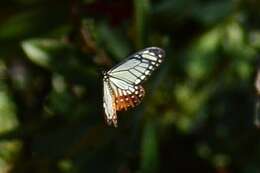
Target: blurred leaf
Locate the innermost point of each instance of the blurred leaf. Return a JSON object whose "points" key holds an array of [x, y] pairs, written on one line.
{"points": [[114, 41], [202, 57], [31, 22], [60, 102], [257, 114], [173, 9], [49, 52], [29, 1], [235, 42], [66, 166], [213, 11], [192, 103], [244, 70], [150, 156], [234, 36], [204, 151], [34, 50], [18, 25], [8, 119], [255, 39], [9, 151], [42, 51], [221, 160], [142, 15]]}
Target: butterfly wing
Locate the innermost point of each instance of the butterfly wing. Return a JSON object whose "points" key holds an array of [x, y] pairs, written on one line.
{"points": [[137, 67], [122, 87], [123, 102], [109, 104], [126, 95]]}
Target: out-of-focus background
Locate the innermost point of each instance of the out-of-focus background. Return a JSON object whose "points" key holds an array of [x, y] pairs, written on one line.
{"points": [[200, 113]]}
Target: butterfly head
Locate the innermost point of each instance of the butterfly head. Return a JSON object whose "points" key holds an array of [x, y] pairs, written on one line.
{"points": [[105, 75]]}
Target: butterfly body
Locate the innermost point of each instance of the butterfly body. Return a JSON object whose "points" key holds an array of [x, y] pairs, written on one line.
{"points": [[122, 83]]}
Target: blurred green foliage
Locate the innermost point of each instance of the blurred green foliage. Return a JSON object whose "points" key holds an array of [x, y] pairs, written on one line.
{"points": [[199, 111]]}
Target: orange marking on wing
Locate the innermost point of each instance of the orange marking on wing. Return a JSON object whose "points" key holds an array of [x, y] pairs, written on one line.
{"points": [[131, 102], [126, 101]]}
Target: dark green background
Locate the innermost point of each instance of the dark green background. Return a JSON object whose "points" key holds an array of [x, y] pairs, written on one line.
{"points": [[199, 110]]}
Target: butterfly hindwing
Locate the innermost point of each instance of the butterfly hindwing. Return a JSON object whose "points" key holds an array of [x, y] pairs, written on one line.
{"points": [[125, 100]]}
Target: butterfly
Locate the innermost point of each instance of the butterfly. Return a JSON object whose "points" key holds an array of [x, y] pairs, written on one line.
{"points": [[122, 83]]}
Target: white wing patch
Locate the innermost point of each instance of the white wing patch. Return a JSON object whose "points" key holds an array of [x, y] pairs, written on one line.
{"points": [[119, 83], [149, 56], [138, 66], [127, 65], [109, 105], [122, 83]]}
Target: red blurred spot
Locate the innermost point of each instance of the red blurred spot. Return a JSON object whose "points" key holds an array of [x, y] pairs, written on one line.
{"points": [[114, 12]]}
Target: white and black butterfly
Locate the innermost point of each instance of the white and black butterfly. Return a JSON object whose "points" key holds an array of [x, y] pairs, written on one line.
{"points": [[122, 83]]}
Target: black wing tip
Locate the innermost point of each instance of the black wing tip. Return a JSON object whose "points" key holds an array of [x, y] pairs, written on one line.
{"points": [[158, 51]]}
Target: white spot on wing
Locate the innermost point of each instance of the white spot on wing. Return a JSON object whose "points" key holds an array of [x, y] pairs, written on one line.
{"points": [[145, 65], [120, 92], [135, 72], [137, 81], [141, 69], [125, 66], [150, 57], [131, 89], [119, 83]]}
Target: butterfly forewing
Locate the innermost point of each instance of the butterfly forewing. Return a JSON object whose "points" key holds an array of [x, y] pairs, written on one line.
{"points": [[137, 67], [122, 88]]}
